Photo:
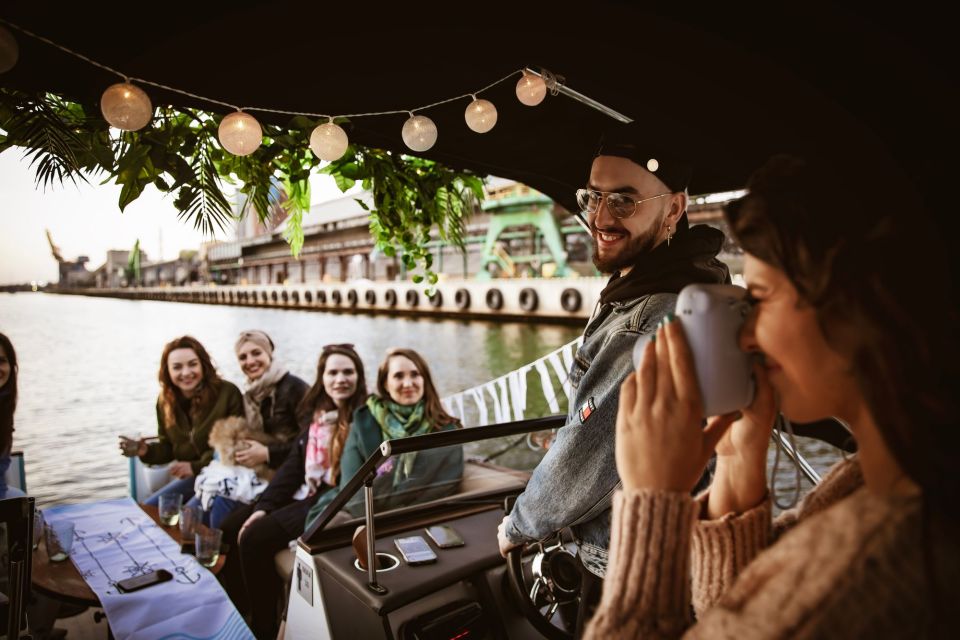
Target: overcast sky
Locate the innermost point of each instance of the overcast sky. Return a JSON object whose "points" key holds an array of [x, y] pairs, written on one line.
{"points": [[86, 220]]}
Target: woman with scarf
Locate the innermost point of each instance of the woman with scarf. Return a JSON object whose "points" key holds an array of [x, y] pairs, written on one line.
{"points": [[270, 401], [311, 468], [406, 404]]}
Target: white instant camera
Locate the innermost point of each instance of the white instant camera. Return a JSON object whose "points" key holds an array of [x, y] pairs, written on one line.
{"points": [[711, 316]]}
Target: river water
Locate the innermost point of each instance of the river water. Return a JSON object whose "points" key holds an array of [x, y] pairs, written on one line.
{"points": [[88, 371]]}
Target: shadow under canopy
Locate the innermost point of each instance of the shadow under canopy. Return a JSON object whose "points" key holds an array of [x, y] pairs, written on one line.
{"points": [[732, 88]]}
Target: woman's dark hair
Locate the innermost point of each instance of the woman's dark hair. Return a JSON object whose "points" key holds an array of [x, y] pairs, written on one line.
{"points": [[207, 393], [861, 252], [433, 411], [316, 399], [8, 396]]}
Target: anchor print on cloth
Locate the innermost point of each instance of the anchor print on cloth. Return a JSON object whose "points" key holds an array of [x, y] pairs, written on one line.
{"points": [[114, 540]]}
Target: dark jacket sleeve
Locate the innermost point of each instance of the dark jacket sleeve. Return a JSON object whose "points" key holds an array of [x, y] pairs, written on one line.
{"points": [[229, 404], [289, 477], [283, 423], [161, 451]]}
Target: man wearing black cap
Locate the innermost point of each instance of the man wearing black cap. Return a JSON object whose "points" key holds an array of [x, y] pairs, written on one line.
{"points": [[635, 207]]}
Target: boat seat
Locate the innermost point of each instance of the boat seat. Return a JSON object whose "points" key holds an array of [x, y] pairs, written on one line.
{"points": [[478, 477]]}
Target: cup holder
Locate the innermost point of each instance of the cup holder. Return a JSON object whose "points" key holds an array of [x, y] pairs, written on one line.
{"points": [[389, 562]]}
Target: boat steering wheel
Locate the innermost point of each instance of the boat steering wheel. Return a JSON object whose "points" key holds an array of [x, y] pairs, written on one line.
{"points": [[545, 583]]}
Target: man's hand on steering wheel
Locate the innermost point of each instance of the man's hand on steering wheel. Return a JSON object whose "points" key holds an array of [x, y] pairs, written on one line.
{"points": [[502, 541]]}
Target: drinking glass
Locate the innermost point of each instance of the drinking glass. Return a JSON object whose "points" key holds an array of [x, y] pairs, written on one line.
{"points": [[208, 546], [37, 527], [189, 519], [59, 540], [169, 508]]}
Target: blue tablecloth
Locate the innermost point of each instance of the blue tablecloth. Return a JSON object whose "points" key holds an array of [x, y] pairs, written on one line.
{"points": [[115, 539]]}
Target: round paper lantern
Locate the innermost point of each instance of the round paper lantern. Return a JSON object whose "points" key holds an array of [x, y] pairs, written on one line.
{"points": [[531, 89], [240, 133], [9, 50], [329, 141], [480, 115], [419, 133], [126, 106]]}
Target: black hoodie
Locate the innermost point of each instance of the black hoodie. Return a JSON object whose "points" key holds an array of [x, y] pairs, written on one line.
{"points": [[690, 258]]}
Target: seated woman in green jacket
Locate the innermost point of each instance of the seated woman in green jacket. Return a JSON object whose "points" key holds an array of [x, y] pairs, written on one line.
{"points": [[406, 404], [192, 398]]}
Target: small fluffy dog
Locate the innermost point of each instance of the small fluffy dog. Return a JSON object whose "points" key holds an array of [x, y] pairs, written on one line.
{"points": [[227, 438], [223, 476]]}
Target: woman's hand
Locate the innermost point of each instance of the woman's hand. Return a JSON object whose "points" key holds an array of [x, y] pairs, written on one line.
{"points": [[131, 447], [181, 470], [255, 453], [661, 444], [256, 515], [740, 479]]}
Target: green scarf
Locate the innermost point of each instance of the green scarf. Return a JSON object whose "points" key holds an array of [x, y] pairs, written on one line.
{"points": [[399, 421]]}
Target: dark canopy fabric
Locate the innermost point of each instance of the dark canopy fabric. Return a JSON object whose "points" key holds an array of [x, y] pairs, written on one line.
{"points": [[728, 87]]}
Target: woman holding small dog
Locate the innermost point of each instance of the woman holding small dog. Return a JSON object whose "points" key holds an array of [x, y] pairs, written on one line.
{"points": [[192, 398], [270, 400], [311, 468]]}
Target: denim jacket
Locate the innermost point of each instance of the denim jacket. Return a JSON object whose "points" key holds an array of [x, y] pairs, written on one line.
{"points": [[574, 483]]}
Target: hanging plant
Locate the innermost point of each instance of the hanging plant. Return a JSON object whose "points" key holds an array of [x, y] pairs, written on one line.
{"points": [[179, 153]]}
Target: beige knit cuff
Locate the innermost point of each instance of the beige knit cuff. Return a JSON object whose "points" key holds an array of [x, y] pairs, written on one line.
{"points": [[649, 572], [722, 548]]}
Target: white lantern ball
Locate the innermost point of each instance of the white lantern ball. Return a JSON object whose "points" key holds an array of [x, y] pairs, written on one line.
{"points": [[240, 133], [419, 133], [9, 50], [531, 90], [481, 115], [126, 106], [329, 141]]}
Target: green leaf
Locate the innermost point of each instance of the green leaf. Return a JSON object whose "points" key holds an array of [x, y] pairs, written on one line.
{"points": [[417, 279]]}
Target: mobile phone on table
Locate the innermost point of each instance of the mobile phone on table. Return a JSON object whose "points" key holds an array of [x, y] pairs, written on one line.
{"points": [[444, 536], [142, 582], [415, 550]]}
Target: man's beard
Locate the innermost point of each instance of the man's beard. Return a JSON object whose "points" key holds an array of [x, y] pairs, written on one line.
{"points": [[628, 255]]}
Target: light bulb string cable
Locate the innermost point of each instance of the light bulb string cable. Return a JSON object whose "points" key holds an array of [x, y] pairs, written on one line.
{"points": [[128, 78]]}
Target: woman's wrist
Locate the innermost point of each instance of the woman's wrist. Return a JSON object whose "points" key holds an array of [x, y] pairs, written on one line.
{"points": [[738, 485]]}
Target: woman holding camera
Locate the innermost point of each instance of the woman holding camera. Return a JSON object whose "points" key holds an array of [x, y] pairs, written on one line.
{"points": [[846, 331]]}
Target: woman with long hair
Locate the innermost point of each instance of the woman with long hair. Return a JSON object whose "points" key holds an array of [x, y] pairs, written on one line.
{"points": [[311, 468], [852, 319], [406, 404], [8, 406], [192, 397], [271, 397]]}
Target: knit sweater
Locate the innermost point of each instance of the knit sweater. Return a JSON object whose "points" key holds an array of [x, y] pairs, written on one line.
{"points": [[846, 564]]}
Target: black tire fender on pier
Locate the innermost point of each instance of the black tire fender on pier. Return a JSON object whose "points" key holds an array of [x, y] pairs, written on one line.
{"points": [[308, 297], [273, 296], [436, 300], [295, 297], [336, 297], [370, 296], [321, 296], [263, 296], [529, 299], [462, 299], [413, 298], [494, 299], [571, 300], [390, 298], [352, 297], [285, 297]]}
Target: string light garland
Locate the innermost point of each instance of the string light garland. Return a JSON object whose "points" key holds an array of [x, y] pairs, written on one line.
{"points": [[126, 106]]}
